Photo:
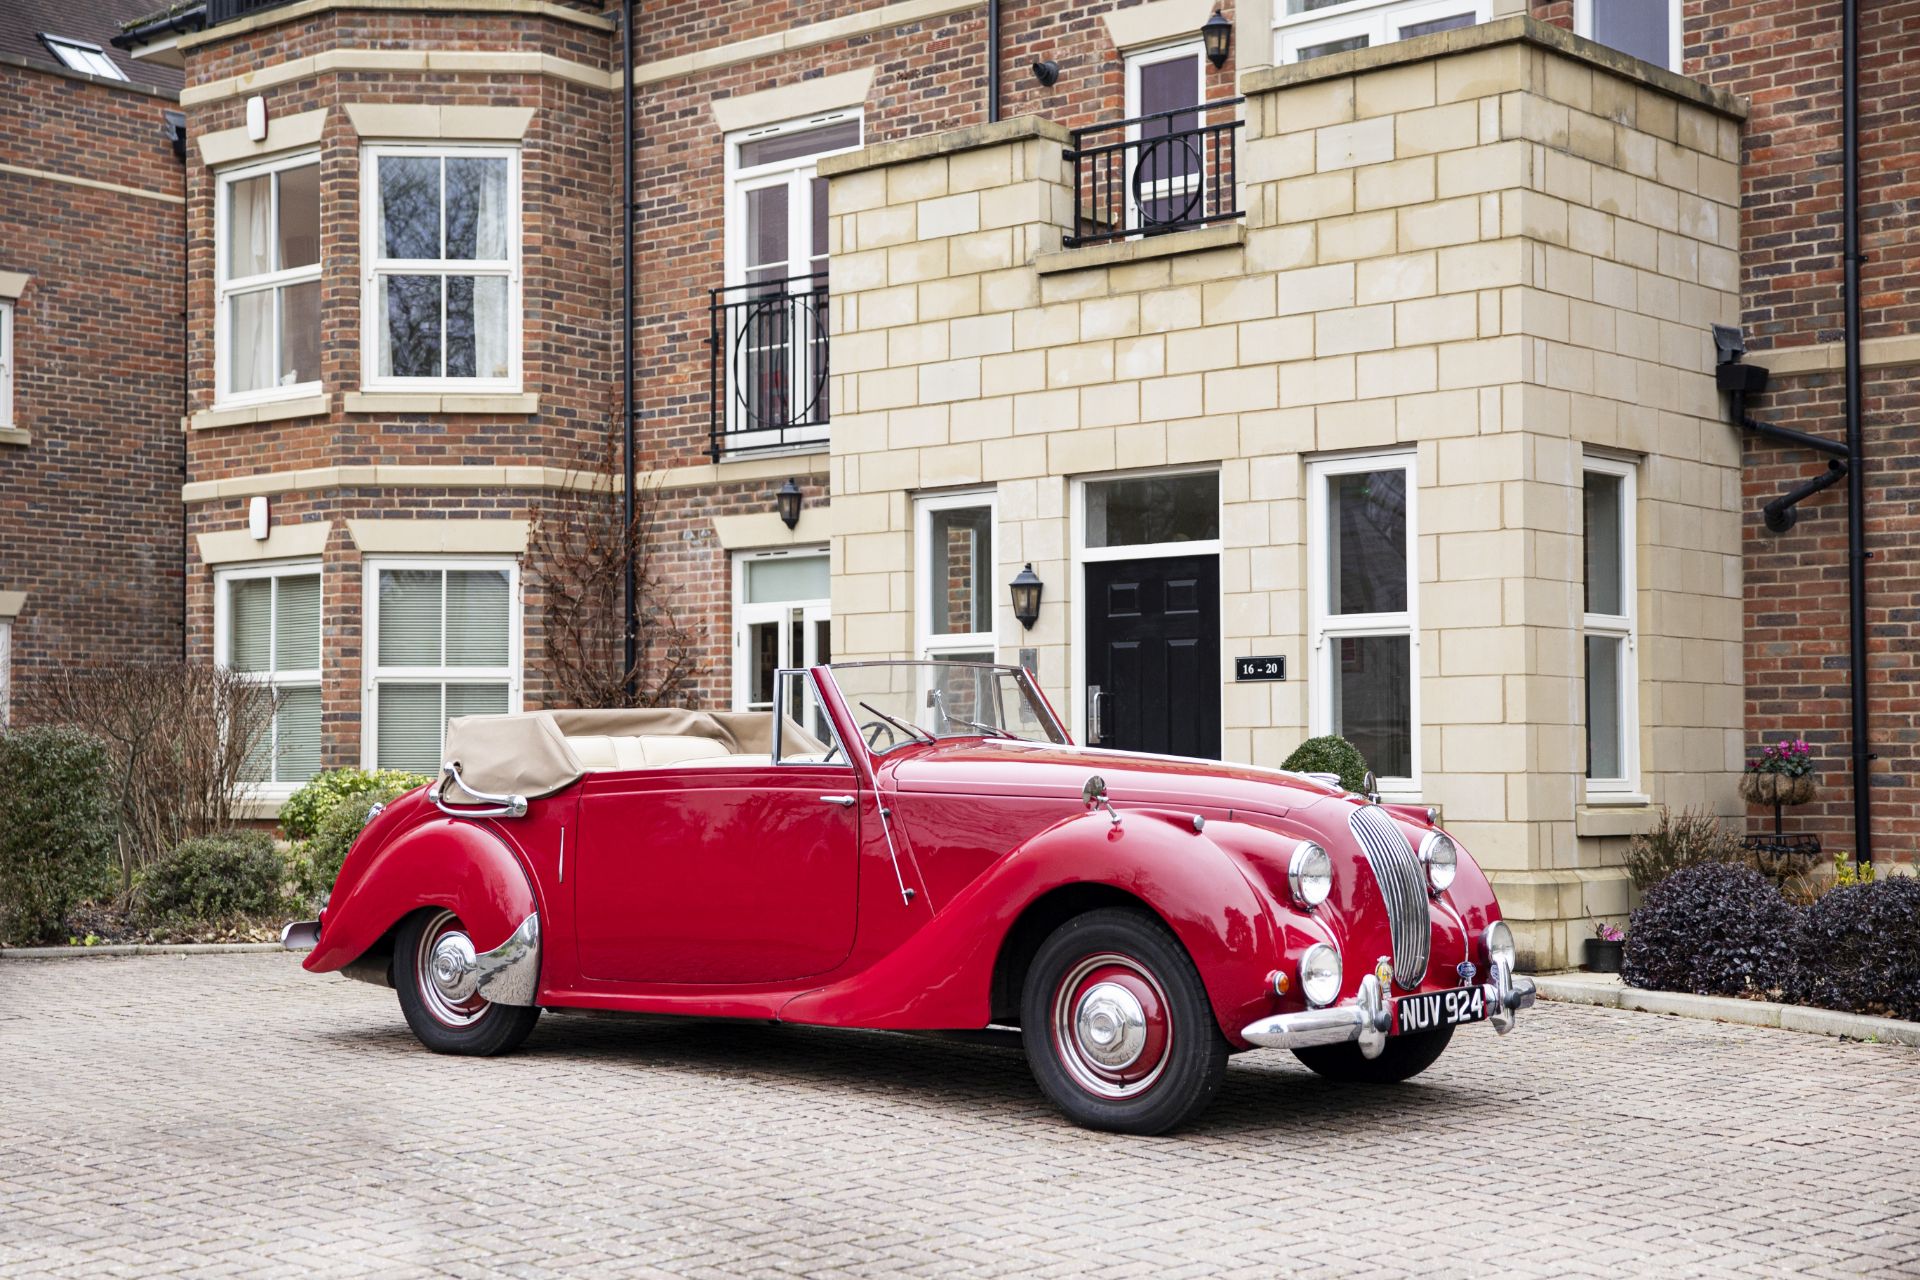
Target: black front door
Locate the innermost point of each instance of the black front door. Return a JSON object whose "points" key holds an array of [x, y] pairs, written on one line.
{"points": [[1153, 655]]}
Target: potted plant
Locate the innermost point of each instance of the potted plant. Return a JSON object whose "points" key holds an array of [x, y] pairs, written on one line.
{"points": [[1604, 948], [1782, 774]]}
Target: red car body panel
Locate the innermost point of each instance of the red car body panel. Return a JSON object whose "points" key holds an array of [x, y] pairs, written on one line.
{"points": [[747, 892]]}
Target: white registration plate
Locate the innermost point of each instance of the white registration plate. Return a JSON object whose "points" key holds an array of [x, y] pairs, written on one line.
{"points": [[1433, 1009]]}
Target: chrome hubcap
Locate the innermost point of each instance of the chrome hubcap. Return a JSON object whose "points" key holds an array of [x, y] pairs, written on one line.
{"points": [[1112, 1029], [1111, 1025], [449, 973]]}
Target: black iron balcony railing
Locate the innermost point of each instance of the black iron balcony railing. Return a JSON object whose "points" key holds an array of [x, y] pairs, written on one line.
{"points": [[219, 11], [768, 374], [1168, 171]]}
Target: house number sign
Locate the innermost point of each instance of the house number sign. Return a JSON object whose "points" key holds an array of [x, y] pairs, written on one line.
{"points": [[1269, 668]]}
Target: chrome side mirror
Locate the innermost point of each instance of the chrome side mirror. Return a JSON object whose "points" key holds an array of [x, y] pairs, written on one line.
{"points": [[1094, 796]]}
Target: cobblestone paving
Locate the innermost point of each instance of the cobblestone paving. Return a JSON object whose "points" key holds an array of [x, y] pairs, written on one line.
{"points": [[232, 1116]]}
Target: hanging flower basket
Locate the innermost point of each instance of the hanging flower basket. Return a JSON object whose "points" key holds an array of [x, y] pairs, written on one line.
{"points": [[1776, 788]]}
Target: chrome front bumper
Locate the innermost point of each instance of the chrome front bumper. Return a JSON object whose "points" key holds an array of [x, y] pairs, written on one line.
{"points": [[1368, 1017]]}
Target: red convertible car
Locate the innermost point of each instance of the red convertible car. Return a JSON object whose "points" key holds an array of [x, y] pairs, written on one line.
{"points": [[918, 846]]}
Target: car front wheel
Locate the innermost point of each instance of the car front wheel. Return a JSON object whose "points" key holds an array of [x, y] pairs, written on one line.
{"points": [[1117, 1027], [451, 1021], [1403, 1058]]}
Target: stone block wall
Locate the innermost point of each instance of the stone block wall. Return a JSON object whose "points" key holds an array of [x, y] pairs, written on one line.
{"points": [[1496, 248]]}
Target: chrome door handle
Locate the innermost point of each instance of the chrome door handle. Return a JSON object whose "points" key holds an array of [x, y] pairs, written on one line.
{"points": [[845, 802], [1096, 723]]}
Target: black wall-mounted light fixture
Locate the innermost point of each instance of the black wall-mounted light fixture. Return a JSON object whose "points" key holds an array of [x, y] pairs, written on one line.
{"points": [[1047, 72], [1026, 588], [787, 503], [1216, 33]]}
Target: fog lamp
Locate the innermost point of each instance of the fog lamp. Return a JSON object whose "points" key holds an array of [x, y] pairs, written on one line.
{"points": [[1499, 943], [1320, 975]]}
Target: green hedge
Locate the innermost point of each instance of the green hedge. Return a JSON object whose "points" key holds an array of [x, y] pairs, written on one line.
{"points": [[56, 828], [1330, 753], [233, 873], [307, 809], [317, 859]]}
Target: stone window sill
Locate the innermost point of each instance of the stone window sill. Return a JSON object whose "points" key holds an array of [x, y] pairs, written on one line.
{"points": [[492, 404], [14, 435], [1622, 816], [1225, 235], [250, 415]]}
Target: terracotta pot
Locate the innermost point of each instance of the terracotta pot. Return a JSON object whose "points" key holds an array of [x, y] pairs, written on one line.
{"points": [[1603, 956], [1776, 788]]}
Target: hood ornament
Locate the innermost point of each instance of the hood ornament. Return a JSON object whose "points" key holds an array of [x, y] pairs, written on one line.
{"points": [[1370, 787]]}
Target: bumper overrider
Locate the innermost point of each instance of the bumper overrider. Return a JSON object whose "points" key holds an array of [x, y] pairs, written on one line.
{"points": [[1367, 1018]]}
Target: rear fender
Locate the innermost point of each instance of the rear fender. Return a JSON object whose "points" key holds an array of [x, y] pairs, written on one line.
{"points": [[942, 977], [455, 864]]}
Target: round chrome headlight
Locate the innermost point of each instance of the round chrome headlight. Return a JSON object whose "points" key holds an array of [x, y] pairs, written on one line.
{"points": [[1320, 974], [1499, 940], [1310, 874], [1442, 858]]}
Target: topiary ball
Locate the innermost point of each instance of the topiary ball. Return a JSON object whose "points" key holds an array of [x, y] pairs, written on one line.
{"points": [[1330, 753], [1714, 929], [1858, 950]]}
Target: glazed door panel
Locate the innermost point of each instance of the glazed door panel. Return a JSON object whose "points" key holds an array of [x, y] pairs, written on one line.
{"points": [[1153, 652], [716, 874]]}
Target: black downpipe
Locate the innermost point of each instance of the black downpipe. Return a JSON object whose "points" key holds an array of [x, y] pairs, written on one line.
{"points": [[176, 127], [1856, 470], [993, 60], [630, 620]]}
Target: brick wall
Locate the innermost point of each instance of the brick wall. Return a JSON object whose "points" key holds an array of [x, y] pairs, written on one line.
{"points": [[89, 509], [1785, 57]]}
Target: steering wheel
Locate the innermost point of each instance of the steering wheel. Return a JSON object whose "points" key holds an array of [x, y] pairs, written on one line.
{"points": [[873, 729], [832, 751]]}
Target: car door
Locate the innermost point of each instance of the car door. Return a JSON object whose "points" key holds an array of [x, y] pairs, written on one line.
{"points": [[717, 873]]}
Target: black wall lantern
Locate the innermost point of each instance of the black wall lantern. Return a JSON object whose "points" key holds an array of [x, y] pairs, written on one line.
{"points": [[787, 503], [1026, 588], [1217, 34]]}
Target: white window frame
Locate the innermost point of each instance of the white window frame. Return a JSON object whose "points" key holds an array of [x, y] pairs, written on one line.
{"points": [[72, 54], [373, 267], [926, 643], [374, 675], [746, 616], [6, 364], [1624, 627], [273, 678], [1328, 627], [796, 173], [1152, 55], [1676, 53], [226, 289], [1379, 20], [1083, 555]]}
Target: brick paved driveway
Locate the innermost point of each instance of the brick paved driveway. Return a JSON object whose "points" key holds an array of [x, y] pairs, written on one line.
{"points": [[230, 1115]]}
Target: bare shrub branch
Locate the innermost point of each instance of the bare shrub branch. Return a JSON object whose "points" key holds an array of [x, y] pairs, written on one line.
{"points": [[182, 737]]}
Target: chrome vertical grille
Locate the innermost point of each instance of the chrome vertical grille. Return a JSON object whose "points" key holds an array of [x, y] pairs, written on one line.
{"points": [[1403, 885]]}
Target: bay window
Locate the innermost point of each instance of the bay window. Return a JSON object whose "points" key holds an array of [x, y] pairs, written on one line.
{"points": [[441, 304], [1365, 629], [1609, 640], [442, 640], [955, 560], [267, 290], [267, 627]]}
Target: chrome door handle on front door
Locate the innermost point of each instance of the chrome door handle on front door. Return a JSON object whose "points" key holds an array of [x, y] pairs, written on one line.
{"points": [[1096, 726], [845, 802]]}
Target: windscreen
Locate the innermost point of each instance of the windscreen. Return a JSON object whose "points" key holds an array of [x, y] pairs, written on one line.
{"points": [[896, 703]]}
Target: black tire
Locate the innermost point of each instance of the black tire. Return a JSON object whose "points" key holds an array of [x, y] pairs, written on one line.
{"points": [[479, 1028], [1404, 1058], [1182, 1058]]}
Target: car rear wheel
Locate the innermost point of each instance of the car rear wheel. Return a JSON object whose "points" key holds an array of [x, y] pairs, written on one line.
{"points": [[451, 1021], [1404, 1058], [1117, 1027]]}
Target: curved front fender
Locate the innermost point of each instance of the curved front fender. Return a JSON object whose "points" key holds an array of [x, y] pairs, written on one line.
{"points": [[441, 863], [942, 976]]}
